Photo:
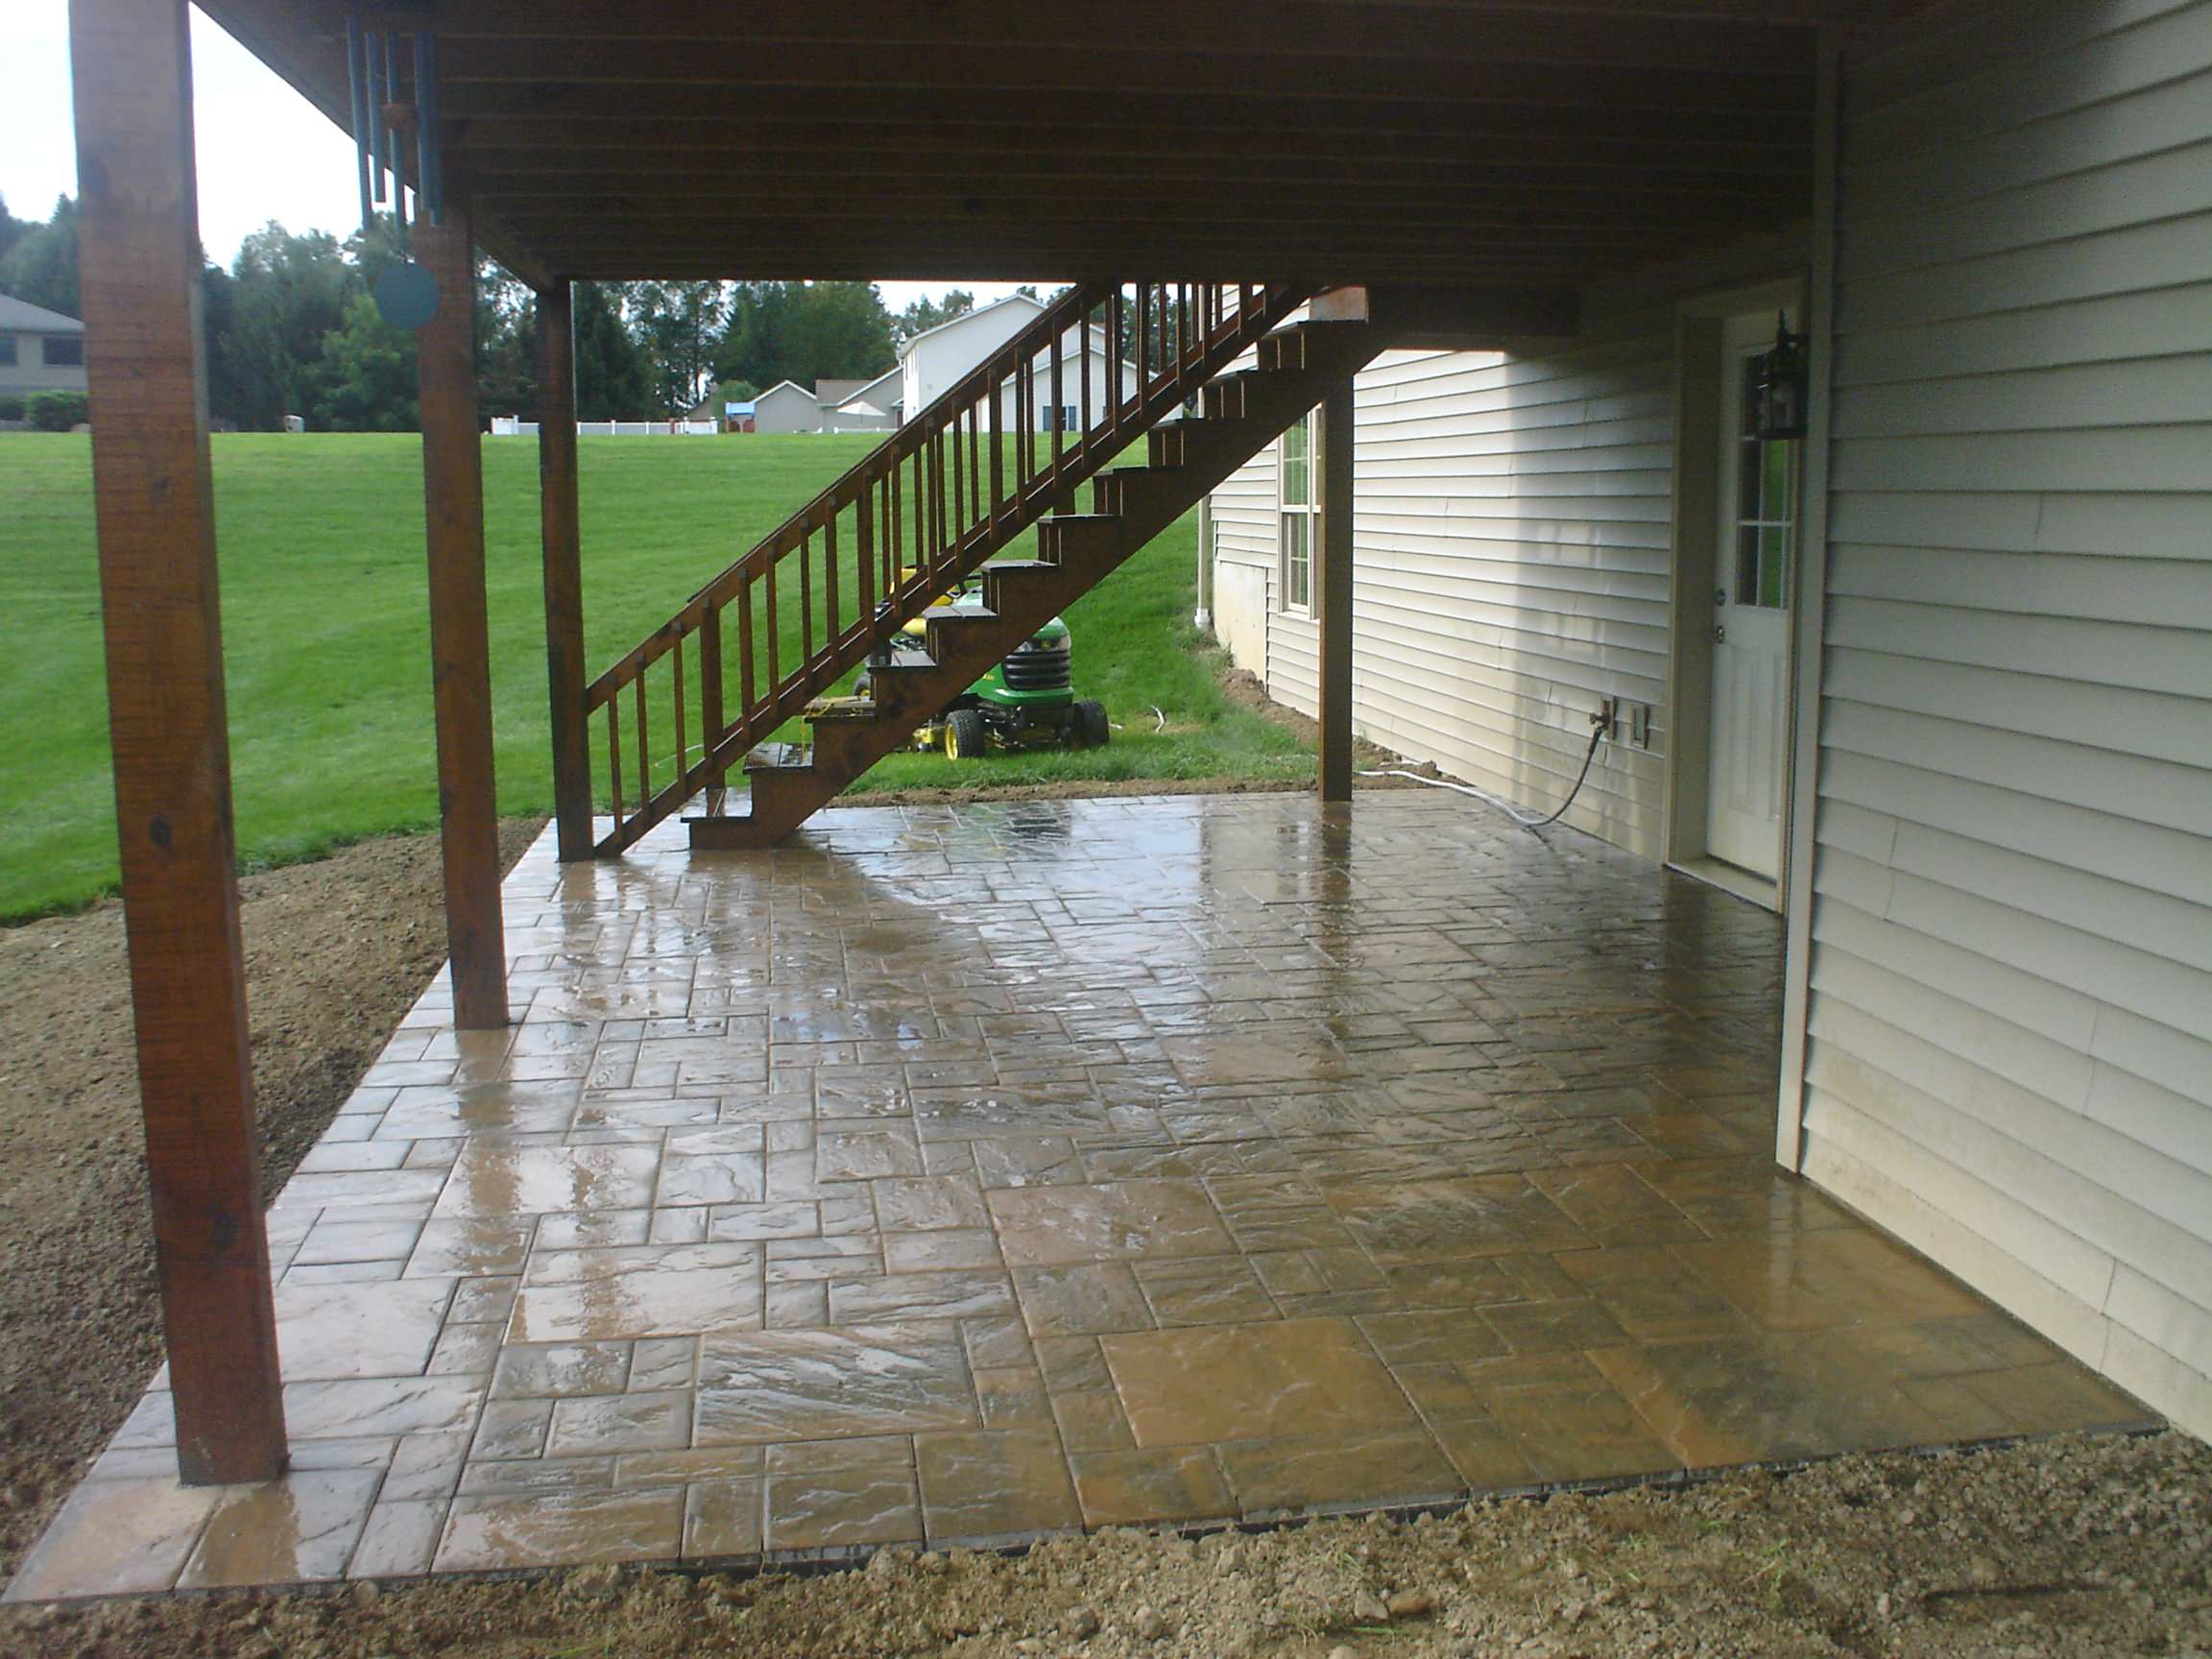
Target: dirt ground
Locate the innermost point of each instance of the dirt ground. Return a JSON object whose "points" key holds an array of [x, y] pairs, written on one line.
{"points": [[2063, 1548], [335, 952], [2067, 1550]]}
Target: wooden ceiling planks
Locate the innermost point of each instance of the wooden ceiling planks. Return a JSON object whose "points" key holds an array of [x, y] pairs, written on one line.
{"points": [[1335, 139]]}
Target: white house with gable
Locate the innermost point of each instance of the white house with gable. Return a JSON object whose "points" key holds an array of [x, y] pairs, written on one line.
{"points": [[935, 360]]}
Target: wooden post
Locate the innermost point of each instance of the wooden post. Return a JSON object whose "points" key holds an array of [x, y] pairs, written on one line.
{"points": [[1333, 591], [563, 571], [139, 253], [460, 649]]}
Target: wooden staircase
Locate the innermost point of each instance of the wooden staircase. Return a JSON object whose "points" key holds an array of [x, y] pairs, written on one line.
{"points": [[930, 509]]}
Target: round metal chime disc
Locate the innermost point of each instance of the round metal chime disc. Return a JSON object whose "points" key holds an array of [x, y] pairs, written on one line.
{"points": [[406, 294]]}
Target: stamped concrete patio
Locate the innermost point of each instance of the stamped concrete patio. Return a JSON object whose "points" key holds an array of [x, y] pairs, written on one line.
{"points": [[963, 1174]]}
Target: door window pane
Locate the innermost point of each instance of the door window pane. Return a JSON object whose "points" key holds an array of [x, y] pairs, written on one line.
{"points": [[1766, 510]]}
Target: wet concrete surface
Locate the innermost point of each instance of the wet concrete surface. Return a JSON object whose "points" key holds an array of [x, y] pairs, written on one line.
{"points": [[965, 1174]]}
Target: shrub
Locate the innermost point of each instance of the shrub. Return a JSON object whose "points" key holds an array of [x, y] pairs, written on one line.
{"points": [[11, 406], [57, 410]]}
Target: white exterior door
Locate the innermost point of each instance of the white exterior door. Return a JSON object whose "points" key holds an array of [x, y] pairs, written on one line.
{"points": [[1755, 570]]}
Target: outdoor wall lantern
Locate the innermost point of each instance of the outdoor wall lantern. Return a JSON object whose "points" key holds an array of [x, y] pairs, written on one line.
{"points": [[1781, 411]]}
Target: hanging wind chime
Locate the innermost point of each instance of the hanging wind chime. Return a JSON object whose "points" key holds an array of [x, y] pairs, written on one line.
{"points": [[384, 125]]}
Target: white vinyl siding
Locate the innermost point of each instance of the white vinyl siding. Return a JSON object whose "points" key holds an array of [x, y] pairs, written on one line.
{"points": [[1514, 534], [2009, 1054]]}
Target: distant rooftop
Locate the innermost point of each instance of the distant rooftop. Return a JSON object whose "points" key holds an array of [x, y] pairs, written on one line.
{"points": [[21, 316]]}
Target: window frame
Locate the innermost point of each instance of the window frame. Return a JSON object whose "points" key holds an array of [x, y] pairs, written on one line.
{"points": [[11, 348], [46, 350], [1306, 512]]}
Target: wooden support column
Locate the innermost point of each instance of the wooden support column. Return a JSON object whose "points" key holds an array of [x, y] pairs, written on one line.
{"points": [[460, 647], [1333, 590], [138, 253], [563, 571]]}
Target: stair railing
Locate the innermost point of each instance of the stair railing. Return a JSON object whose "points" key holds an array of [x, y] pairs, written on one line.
{"points": [[919, 514]]}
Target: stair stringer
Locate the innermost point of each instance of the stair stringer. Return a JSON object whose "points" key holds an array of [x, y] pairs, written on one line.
{"points": [[1080, 551]]}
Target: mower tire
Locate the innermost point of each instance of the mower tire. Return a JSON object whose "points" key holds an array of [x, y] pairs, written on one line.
{"points": [[966, 737], [1092, 730]]}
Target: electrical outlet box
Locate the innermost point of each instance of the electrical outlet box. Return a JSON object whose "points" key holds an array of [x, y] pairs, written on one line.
{"points": [[1608, 718], [1640, 725]]}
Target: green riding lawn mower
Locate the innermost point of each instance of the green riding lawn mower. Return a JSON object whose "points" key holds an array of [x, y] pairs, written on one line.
{"points": [[1027, 702]]}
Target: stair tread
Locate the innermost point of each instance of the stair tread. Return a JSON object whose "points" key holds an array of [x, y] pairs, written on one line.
{"points": [[780, 757], [959, 612], [840, 709]]}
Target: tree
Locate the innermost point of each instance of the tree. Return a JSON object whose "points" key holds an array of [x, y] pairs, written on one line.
{"points": [[805, 331], [40, 263], [614, 376], [287, 293], [227, 394], [924, 314], [12, 228], [366, 374], [680, 325], [506, 343]]}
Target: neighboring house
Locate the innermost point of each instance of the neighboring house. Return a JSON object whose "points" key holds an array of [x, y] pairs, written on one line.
{"points": [[937, 358], [1936, 681], [790, 407], [40, 350], [786, 407], [830, 394], [880, 401]]}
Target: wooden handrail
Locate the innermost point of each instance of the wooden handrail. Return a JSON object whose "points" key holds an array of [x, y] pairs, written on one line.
{"points": [[917, 515]]}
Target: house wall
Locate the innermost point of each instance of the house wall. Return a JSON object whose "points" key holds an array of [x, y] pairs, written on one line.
{"points": [[2008, 1059], [934, 361], [1075, 366], [1513, 518], [787, 408], [32, 372]]}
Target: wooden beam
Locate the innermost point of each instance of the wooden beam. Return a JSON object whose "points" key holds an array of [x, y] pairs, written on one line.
{"points": [[1766, 70], [572, 173], [460, 646], [1610, 147], [1332, 560], [139, 253], [1667, 104], [1110, 29], [977, 201], [566, 676], [1452, 317]]}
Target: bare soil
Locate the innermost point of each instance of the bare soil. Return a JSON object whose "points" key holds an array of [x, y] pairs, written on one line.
{"points": [[336, 950], [2069, 1547]]}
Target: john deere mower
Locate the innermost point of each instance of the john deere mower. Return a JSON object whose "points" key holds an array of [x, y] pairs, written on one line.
{"points": [[1027, 702]]}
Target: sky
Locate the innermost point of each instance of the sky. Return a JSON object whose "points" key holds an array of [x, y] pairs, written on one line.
{"points": [[264, 152]]}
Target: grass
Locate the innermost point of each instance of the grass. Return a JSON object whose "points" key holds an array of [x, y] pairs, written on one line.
{"points": [[326, 636]]}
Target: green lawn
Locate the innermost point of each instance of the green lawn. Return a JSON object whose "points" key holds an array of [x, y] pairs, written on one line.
{"points": [[327, 639]]}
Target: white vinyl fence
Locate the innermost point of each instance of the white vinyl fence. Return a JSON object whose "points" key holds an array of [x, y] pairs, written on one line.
{"points": [[510, 427]]}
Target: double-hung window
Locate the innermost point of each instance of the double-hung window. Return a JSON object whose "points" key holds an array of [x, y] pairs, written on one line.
{"points": [[1298, 514]]}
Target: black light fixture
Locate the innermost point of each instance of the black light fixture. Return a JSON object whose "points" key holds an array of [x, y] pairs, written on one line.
{"points": [[1781, 412]]}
